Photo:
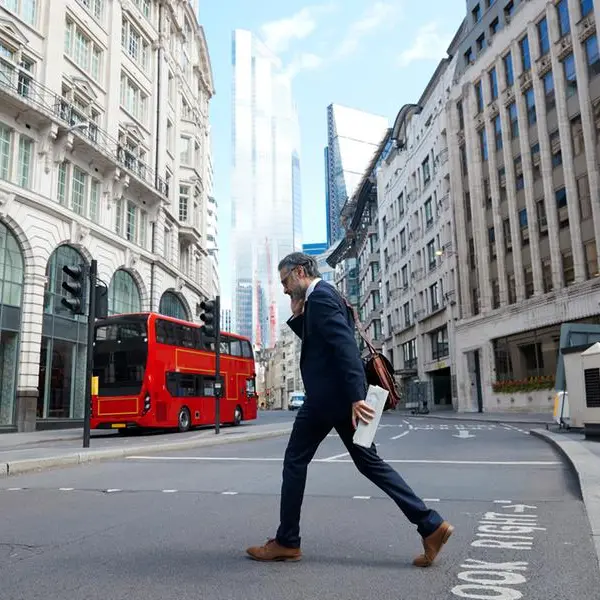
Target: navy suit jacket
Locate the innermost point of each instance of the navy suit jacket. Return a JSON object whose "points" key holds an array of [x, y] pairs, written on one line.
{"points": [[330, 362]]}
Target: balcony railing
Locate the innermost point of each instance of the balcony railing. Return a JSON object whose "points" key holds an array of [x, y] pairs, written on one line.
{"points": [[18, 85]]}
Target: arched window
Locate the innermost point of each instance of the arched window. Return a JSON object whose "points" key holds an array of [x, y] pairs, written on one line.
{"points": [[61, 383], [123, 294], [11, 296], [172, 305]]}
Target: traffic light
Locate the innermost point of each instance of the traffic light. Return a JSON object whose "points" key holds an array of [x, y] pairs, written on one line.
{"points": [[209, 316], [75, 287]]}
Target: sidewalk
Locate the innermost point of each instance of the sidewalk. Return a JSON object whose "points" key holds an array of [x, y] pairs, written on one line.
{"points": [[584, 457], [486, 417], [39, 450]]}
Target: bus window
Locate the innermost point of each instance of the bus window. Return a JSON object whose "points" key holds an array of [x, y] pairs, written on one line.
{"points": [[236, 347], [246, 349], [187, 337], [225, 346]]}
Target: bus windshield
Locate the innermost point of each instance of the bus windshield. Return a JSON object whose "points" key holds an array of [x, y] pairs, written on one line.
{"points": [[120, 354]]}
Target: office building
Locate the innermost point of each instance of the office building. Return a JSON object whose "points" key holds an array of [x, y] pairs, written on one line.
{"points": [[266, 192], [524, 117], [103, 137]]}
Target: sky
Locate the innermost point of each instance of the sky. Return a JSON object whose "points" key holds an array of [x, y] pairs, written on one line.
{"points": [[372, 55]]}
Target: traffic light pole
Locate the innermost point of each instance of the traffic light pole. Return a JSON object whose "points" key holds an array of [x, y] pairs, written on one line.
{"points": [[218, 386], [93, 275]]}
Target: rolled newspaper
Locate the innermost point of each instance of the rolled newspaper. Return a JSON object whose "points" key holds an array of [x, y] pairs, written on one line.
{"points": [[365, 432]]}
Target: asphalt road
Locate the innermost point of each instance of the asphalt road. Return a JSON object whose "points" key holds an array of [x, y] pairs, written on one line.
{"points": [[176, 526]]}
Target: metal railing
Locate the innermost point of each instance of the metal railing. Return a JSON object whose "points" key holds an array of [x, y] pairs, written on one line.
{"points": [[28, 91]]}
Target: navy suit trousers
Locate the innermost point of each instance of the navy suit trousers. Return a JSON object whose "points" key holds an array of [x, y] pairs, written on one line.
{"points": [[311, 427]]}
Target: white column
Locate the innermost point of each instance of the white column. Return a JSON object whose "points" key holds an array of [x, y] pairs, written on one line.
{"points": [[564, 128], [546, 174], [474, 160], [587, 119], [526, 165], [495, 191], [458, 194]]}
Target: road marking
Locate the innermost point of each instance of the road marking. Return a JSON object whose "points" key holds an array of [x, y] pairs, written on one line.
{"points": [[169, 491], [65, 489], [502, 501], [334, 460], [229, 493], [361, 497], [14, 489], [431, 500], [112, 490], [335, 457], [397, 437], [463, 434]]}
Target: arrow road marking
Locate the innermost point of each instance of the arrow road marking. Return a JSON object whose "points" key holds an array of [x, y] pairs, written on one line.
{"points": [[463, 434], [520, 508]]}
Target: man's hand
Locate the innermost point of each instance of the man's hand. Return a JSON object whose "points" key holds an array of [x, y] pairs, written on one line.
{"points": [[297, 306], [363, 412]]}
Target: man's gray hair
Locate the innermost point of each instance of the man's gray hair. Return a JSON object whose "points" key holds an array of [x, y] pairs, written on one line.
{"points": [[298, 259]]}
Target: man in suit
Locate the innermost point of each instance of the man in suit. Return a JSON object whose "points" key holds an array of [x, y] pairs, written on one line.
{"points": [[335, 383]]}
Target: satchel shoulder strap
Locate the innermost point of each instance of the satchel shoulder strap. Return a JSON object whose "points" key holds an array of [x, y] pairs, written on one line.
{"points": [[359, 326]]}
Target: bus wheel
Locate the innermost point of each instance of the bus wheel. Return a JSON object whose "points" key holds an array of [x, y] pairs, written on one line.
{"points": [[184, 420], [237, 415]]}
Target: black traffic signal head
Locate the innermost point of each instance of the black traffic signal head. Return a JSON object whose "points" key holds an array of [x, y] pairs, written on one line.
{"points": [[209, 317], [75, 287]]}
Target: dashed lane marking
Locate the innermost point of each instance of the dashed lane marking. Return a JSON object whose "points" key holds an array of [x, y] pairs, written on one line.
{"points": [[361, 497], [169, 491], [65, 489], [397, 437], [229, 494], [431, 500], [113, 490]]}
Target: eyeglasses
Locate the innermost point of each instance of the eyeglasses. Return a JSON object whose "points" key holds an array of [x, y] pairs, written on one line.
{"points": [[284, 280]]}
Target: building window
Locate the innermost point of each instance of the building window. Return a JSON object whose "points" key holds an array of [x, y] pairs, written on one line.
{"points": [[549, 92], [481, 43], [483, 144], [561, 206], [547, 275], [542, 28], [555, 149], [562, 8], [25, 152], [479, 96], [492, 242], [168, 244], [508, 69], [434, 297], [94, 7], [591, 53], [587, 6], [541, 217], [498, 132], [512, 288], [409, 354], [185, 151], [509, 10], [525, 55], [476, 12], [494, 83], [405, 276], [536, 160], [144, 7], [530, 102], [431, 255], [475, 301], [406, 309], [568, 268], [528, 278], [62, 183], [507, 235], [82, 50], [133, 99], [468, 56], [585, 200], [577, 135], [135, 45], [495, 26], [519, 179], [514, 120], [426, 171], [591, 259], [78, 191], [131, 228], [439, 343], [123, 294], [428, 214], [495, 294], [26, 9], [5, 152], [461, 115], [184, 200], [570, 74]]}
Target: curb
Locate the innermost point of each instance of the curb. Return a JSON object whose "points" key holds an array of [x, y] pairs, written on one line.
{"points": [[467, 417], [28, 465], [583, 462]]}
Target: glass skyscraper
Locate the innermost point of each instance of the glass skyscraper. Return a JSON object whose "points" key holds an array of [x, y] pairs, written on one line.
{"points": [[266, 191], [353, 137]]}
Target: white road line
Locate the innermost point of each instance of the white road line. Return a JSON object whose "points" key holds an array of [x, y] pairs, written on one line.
{"points": [[334, 460], [169, 491], [229, 493], [335, 457], [361, 497], [502, 501], [397, 437], [65, 489], [14, 489], [112, 490], [431, 500]]}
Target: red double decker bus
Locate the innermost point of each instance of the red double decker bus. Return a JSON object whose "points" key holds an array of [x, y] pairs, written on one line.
{"points": [[159, 372]]}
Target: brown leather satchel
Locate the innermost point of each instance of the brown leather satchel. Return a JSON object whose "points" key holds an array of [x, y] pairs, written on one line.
{"points": [[379, 370]]}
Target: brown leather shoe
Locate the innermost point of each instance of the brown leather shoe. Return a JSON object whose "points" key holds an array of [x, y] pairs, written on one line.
{"points": [[433, 543], [272, 552]]}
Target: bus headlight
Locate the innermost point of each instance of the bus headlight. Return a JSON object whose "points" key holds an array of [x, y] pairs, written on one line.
{"points": [[147, 404]]}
